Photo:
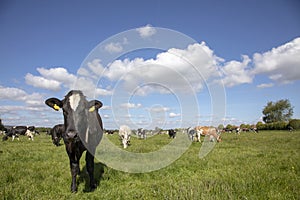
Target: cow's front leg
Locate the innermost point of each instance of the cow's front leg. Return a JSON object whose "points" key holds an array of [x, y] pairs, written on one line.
{"points": [[74, 171], [74, 166], [89, 158]]}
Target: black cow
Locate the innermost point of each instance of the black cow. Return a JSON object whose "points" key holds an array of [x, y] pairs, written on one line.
{"points": [[57, 133], [172, 133], [83, 131]]}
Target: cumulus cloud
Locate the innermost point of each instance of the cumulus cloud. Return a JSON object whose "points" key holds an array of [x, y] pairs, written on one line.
{"points": [[158, 109], [89, 88], [281, 64], [41, 82], [172, 115], [114, 47], [57, 78], [16, 94], [265, 85], [21, 103], [236, 73], [171, 71], [131, 105], [10, 93], [51, 79], [96, 67], [146, 31]]}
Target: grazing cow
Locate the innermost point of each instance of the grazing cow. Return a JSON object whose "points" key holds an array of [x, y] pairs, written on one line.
{"points": [[191, 133], [124, 133], [109, 132], [83, 131], [57, 133], [209, 131], [172, 133], [30, 132], [254, 129], [238, 130], [141, 133], [16, 131]]}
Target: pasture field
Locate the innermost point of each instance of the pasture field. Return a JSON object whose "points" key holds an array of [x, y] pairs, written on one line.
{"points": [[249, 166]]}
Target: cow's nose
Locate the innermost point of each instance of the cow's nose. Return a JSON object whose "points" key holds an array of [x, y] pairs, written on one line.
{"points": [[72, 134]]}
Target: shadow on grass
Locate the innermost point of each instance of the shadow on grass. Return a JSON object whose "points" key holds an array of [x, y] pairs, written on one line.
{"points": [[98, 175]]}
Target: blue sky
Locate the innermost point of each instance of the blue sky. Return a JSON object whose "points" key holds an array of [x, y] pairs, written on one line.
{"points": [[251, 50]]}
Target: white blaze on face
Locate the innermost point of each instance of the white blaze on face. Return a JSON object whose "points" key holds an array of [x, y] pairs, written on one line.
{"points": [[74, 101]]}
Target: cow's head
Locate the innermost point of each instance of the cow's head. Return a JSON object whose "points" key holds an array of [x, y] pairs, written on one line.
{"points": [[125, 140], [56, 140], [56, 134], [76, 111]]}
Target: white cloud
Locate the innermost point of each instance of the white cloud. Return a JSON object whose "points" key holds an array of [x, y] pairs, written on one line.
{"points": [[96, 67], [41, 82], [16, 94], [265, 85], [114, 47], [236, 73], [88, 87], [21, 108], [51, 79], [12, 93], [281, 64], [175, 70], [58, 74], [56, 78], [172, 115], [131, 105], [146, 31], [158, 109], [106, 116]]}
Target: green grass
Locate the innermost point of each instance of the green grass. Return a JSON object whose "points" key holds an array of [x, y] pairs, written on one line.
{"points": [[250, 166]]}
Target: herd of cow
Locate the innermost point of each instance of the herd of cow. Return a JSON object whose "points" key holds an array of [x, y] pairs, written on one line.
{"points": [[82, 130], [16, 131]]}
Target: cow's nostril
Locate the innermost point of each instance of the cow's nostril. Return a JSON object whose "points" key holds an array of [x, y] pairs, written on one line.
{"points": [[71, 134]]}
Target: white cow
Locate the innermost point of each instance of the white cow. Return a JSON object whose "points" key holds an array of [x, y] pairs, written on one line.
{"points": [[124, 133]]}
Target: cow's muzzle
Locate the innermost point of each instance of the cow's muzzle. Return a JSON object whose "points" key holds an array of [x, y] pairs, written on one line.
{"points": [[71, 134]]}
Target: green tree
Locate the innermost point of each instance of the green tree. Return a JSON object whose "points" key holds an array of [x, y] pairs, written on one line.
{"points": [[281, 110], [294, 124], [221, 127], [1, 126]]}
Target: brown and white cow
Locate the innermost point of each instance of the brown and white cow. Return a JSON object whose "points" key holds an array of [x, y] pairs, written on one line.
{"points": [[212, 132]]}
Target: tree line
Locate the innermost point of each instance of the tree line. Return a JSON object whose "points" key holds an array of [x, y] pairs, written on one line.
{"points": [[276, 116]]}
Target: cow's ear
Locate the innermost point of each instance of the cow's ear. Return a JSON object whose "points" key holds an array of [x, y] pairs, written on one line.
{"points": [[54, 103], [94, 105]]}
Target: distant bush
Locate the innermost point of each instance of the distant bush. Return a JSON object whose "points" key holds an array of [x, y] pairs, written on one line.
{"points": [[260, 126], [272, 126], [294, 123]]}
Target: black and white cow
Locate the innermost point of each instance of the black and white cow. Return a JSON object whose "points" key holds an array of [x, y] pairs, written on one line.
{"points": [[172, 133], [57, 133], [125, 133], [141, 133], [191, 133], [83, 130], [16, 131]]}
